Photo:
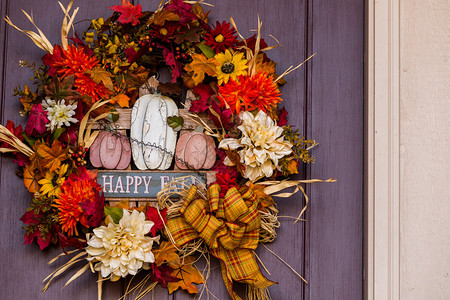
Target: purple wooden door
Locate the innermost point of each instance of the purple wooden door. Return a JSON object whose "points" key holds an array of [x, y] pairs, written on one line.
{"points": [[324, 100]]}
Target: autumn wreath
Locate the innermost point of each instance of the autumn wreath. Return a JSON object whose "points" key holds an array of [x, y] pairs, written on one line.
{"points": [[225, 86]]}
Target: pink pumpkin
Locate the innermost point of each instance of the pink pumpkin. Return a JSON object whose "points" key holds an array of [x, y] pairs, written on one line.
{"points": [[195, 150], [110, 151]]}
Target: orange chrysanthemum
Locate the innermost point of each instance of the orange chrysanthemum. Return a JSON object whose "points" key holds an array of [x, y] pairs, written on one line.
{"points": [[87, 86], [250, 93], [75, 62], [75, 192]]}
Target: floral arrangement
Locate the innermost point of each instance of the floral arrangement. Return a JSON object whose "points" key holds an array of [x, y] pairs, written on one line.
{"points": [[87, 79]]}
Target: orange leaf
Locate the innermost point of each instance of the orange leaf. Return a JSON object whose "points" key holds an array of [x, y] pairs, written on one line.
{"points": [[188, 274], [292, 167], [167, 253], [98, 74], [122, 99], [49, 159], [123, 204], [201, 65], [30, 179]]}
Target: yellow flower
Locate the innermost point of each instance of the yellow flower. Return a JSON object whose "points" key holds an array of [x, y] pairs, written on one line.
{"points": [[52, 182], [230, 65]]}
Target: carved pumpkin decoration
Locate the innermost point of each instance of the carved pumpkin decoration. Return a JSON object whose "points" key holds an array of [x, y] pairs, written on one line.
{"points": [[152, 139], [110, 151], [195, 150]]}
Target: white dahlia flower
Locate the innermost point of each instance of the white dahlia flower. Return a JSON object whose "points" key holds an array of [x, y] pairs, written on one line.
{"points": [[261, 146], [58, 113], [122, 249]]}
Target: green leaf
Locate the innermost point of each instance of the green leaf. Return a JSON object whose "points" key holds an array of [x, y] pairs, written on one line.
{"points": [[56, 134], [29, 140], [113, 116], [175, 122], [114, 212], [208, 51]]}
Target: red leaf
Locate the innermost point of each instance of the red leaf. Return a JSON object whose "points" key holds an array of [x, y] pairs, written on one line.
{"points": [[128, 13], [37, 120], [204, 91], [174, 65], [94, 209], [50, 59], [162, 275], [282, 117], [152, 215]]}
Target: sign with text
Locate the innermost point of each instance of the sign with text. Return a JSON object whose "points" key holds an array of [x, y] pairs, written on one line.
{"points": [[138, 184]]}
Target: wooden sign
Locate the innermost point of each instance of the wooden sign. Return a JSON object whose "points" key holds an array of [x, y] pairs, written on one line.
{"points": [[140, 184]]}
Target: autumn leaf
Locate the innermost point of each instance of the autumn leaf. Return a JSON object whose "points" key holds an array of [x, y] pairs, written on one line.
{"points": [[200, 66], [37, 120], [128, 13], [264, 199], [188, 274], [30, 179], [47, 158], [292, 167], [192, 36], [58, 90], [160, 17], [27, 99], [122, 99], [98, 74], [167, 253]]}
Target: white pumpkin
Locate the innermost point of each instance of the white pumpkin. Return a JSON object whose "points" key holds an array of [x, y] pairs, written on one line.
{"points": [[149, 125]]}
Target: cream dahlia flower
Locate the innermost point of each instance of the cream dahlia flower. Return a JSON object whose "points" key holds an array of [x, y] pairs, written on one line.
{"points": [[58, 113], [261, 145], [122, 249]]}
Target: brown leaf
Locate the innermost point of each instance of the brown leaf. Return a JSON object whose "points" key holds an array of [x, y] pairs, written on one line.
{"points": [[48, 159], [160, 17], [170, 89], [99, 74], [200, 65], [188, 274], [167, 253]]}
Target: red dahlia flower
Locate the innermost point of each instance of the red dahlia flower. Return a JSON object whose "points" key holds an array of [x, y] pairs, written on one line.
{"points": [[223, 36]]}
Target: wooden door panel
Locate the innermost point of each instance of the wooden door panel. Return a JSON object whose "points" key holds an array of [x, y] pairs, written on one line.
{"points": [[324, 100]]}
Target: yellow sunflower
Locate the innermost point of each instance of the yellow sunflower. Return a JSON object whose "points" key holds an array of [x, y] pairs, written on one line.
{"points": [[52, 182], [230, 65]]}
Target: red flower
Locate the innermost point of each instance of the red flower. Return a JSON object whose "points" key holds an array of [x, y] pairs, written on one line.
{"points": [[183, 10], [250, 93], [37, 120], [165, 32], [50, 59], [152, 215], [226, 182], [128, 13], [223, 36], [94, 209]]}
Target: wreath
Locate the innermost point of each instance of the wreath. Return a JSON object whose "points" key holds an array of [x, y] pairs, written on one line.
{"points": [[98, 104]]}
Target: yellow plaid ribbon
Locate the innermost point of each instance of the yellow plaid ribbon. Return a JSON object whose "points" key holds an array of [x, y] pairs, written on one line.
{"points": [[229, 226]]}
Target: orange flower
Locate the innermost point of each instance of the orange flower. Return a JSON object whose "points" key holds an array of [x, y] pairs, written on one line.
{"points": [[76, 61], [76, 191], [250, 93]]}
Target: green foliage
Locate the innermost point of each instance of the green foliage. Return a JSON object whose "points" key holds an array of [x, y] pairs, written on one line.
{"points": [[301, 146], [40, 75]]}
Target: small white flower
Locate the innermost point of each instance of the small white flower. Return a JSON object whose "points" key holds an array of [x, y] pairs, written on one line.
{"points": [[58, 113], [262, 145], [122, 249]]}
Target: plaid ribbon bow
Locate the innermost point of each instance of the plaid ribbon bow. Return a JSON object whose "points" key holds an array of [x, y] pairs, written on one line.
{"points": [[229, 226]]}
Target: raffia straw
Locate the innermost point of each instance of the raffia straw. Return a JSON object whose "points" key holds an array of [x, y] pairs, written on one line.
{"points": [[261, 262], [9, 138], [269, 224], [198, 2], [273, 187], [292, 69], [67, 23], [254, 293], [87, 138], [39, 39], [288, 265]]}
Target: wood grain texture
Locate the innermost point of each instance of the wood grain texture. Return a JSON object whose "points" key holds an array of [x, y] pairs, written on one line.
{"points": [[324, 100], [336, 122]]}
